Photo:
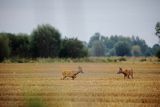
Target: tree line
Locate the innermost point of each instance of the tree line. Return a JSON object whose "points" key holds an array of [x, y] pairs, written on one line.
{"points": [[100, 45], [45, 41], [118, 45]]}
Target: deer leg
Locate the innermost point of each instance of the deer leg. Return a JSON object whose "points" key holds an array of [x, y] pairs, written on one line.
{"points": [[132, 76], [72, 78], [64, 77], [128, 77]]}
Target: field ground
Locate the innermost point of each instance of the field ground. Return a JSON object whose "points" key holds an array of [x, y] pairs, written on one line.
{"points": [[36, 84]]}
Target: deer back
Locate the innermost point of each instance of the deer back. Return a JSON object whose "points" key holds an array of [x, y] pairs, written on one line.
{"points": [[68, 73]]}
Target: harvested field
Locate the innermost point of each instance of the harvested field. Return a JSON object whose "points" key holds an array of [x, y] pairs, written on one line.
{"points": [[99, 86]]}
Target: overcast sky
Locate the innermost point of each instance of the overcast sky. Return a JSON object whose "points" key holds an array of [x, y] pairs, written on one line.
{"points": [[82, 18]]}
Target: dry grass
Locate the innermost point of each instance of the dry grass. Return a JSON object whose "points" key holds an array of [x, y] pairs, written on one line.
{"points": [[99, 86]]}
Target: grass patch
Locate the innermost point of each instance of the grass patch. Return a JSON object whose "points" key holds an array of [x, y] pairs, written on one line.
{"points": [[35, 102]]}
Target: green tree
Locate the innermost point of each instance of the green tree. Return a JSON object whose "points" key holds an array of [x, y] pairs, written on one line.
{"points": [[144, 47], [157, 28], [45, 41], [155, 48], [19, 44], [122, 49], [73, 48], [158, 54], [23, 45], [97, 45], [98, 49], [4, 47], [148, 52], [11, 38], [112, 52], [95, 37], [109, 43], [136, 50]]}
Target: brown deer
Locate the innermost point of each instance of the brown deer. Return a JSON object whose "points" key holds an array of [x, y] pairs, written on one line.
{"points": [[72, 74], [127, 73]]}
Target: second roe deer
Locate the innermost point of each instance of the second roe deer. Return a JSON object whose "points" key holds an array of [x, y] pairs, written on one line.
{"points": [[127, 73]]}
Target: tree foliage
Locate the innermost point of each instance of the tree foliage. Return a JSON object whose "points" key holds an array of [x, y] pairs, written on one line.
{"points": [[122, 49], [45, 41], [141, 43], [158, 54], [108, 45], [98, 48], [73, 48], [157, 28], [96, 45], [4, 47], [155, 49], [136, 50], [19, 44]]}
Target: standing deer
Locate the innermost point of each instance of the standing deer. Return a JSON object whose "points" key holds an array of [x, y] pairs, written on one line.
{"points": [[71, 74], [127, 73]]}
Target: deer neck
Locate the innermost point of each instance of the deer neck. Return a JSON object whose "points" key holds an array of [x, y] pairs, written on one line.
{"points": [[77, 72], [123, 72]]}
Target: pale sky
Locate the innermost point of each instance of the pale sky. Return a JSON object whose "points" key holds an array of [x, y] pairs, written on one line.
{"points": [[82, 18]]}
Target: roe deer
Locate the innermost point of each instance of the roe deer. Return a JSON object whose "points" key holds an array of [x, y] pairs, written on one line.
{"points": [[127, 73], [72, 74]]}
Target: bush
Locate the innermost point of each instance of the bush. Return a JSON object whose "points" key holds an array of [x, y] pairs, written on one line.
{"points": [[122, 59], [20, 60], [143, 59]]}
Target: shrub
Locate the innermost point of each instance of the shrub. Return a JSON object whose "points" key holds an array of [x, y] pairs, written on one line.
{"points": [[143, 59], [122, 59]]}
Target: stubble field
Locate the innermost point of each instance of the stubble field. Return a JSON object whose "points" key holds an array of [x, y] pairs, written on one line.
{"points": [[36, 84]]}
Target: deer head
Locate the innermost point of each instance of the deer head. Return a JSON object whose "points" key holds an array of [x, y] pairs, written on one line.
{"points": [[120, 71], [80, 69]]}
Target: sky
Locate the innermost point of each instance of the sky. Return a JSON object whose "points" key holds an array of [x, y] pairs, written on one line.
{"points": [[83, 18]]}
